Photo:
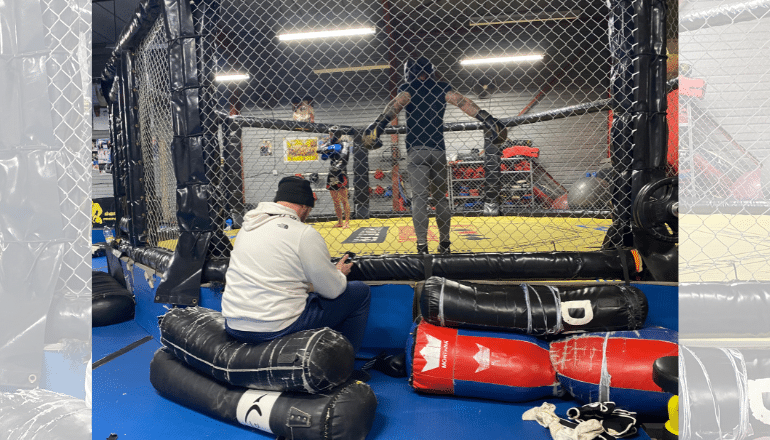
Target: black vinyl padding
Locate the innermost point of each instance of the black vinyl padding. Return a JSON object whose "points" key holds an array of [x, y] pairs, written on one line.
{"points": [[111, 303]]}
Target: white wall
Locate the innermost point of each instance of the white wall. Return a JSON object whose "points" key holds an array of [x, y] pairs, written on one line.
{"points": [[569, 147]]}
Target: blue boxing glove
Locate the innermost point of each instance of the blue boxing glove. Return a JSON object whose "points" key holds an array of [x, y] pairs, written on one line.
{"points": [[328, 151]]}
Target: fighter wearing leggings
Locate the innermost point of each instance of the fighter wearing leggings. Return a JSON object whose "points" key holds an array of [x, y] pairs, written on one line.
{"points": [[425, 101]]}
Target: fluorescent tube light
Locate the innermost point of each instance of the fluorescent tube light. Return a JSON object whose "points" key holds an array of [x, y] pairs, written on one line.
{"points": [[326, 34], [231, 77], [516, 59], [523, 18], [351, 69]]}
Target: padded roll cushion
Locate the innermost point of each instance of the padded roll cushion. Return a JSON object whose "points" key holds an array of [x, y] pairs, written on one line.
{"points": [[344, 412], [69, 317], [537, 310], [502, 366], [43, 415], [309, 361], [111, 303], [616, 367], [741, 308]]}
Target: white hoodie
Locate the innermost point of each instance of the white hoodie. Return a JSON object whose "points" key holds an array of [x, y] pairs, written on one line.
{"points": [[275, 262]]}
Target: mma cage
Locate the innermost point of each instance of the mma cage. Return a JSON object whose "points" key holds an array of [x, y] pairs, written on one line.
{"points": [[201, 118]]}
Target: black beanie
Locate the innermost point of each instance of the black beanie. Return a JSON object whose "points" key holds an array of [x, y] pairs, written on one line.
{"points": [[295, 189]]}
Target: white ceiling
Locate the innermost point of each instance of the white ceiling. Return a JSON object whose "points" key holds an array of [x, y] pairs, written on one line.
{"points": [[107, 21]]}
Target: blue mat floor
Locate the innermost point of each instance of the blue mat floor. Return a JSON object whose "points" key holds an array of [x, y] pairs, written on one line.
{"points": [[125, 403]]}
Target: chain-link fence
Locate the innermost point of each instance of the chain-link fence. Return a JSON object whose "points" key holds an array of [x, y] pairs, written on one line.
{"points": [[155, 135], [268, 100], [723, 123], [44, 189]]}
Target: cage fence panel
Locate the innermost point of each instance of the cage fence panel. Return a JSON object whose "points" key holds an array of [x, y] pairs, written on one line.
{"points": [[69, 38], [723, 132], [45, 181], [268, 99], [152, 80], [348, 80]]}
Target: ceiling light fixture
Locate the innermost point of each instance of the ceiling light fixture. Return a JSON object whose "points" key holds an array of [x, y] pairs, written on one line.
{"points": [[495, 60], [326, 34], [231, 77], [351, 69], [523, 18]]}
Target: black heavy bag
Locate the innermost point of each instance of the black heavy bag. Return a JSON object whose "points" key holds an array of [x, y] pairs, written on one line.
{"points": [[111, 303], [308, 361], [742, 309], [43, 415], [723, 392], [535, 310], [69, 317], [345, 412]]}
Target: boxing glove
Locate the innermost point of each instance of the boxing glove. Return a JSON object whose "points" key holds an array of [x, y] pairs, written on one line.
{"points": [[495, 130], [328, 151], [371, 135]]}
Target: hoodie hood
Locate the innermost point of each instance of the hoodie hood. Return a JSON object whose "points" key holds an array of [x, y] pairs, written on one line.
{"points": [[264, 212]]}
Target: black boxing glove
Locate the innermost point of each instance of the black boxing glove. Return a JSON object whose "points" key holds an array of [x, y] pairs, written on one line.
{"points": [[371, 136], [495, 130]]}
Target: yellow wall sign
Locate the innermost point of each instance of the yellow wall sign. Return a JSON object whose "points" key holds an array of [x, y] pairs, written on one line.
{"points": [[300, 149], [99, 216]]}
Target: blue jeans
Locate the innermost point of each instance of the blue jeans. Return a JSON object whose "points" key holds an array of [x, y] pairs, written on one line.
{"points": [[347, 314]]}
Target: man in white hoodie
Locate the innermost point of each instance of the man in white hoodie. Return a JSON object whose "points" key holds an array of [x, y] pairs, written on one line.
{"points": [[281, 279]]}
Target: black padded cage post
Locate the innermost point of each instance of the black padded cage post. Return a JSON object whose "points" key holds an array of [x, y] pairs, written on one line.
{"points": [[128, 169], [182, 276], [118, 154], [135, 202], [181, 282], [639, 131], [119, 88]]}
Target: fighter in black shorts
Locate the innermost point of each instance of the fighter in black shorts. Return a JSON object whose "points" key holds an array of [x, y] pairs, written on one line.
{"points": [[337, 152]]}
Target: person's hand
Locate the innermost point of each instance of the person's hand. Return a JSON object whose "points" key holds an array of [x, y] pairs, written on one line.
{"points": [[371, 137], [494, 130], [343, 266]]}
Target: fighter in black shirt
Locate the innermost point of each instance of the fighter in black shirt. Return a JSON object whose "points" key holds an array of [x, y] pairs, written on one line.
{"points": [[425, 101]]}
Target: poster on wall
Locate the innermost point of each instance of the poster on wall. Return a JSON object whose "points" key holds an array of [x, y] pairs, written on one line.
{"points": [[266, 147], [300, 149], [103, 156]]}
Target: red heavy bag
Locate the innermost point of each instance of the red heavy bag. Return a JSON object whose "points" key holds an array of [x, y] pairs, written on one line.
{"points": [[500, 366], [616, 367]]}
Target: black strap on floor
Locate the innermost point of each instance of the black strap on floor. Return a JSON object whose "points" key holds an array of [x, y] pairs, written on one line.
{"points": [[120, 352]]}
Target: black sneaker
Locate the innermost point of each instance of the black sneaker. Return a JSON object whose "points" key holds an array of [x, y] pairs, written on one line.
{"points": [[443, 247], [422, 248]]}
